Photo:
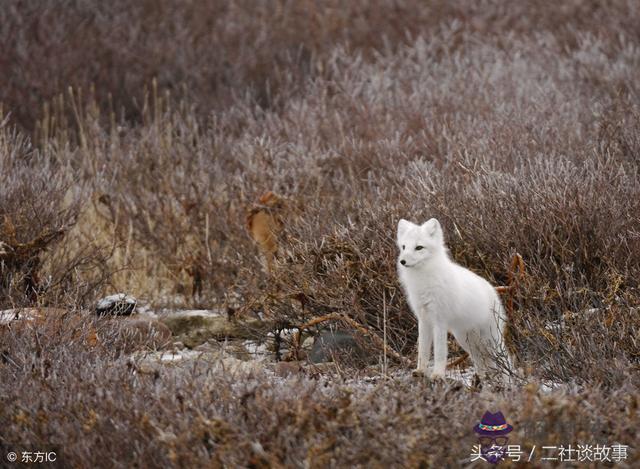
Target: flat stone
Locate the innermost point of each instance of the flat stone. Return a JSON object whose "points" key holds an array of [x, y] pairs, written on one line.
{"points": [[193, 329], [334, 343]]}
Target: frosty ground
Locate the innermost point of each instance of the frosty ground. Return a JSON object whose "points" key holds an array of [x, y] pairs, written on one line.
{"points": [[137, 139]]}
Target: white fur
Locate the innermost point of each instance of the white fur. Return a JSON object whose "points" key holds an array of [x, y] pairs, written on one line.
{"points": [[445, 296]]}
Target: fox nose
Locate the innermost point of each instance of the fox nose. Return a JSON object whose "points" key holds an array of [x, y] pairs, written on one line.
{"points": [[403, 262]]}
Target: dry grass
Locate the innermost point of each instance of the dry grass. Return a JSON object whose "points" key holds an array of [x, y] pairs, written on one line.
{"points": [[98, 409], [513, 123]]}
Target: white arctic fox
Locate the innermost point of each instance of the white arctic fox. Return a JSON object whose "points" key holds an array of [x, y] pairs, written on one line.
{"points": [[445, 296]]}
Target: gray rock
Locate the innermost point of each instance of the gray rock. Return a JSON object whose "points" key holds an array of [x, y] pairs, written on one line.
{"points": [[194, 329], [335, 343]]}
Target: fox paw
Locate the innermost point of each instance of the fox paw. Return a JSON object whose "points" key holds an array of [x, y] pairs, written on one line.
{"points": [[437, 376]]}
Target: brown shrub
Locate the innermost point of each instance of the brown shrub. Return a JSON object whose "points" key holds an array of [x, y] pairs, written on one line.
{"points": [[37, 208], [94, 409], [516, 125], [213, 52]]}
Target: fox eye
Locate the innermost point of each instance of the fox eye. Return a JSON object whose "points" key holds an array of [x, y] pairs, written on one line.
{"points": [[403, 247], [419, 248]]}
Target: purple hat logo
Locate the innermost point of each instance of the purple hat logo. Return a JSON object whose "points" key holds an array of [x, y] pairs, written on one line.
{"points": [[492, 433]]}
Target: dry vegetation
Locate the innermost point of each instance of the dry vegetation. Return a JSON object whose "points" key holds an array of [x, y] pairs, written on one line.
{"points": [[136, 138]]}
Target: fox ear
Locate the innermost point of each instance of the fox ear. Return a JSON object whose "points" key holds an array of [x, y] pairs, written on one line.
{"points": [[432, 227], [403, 226]]}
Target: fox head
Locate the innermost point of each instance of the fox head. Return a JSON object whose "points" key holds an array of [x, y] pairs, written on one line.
{"points": [[419, 243]]}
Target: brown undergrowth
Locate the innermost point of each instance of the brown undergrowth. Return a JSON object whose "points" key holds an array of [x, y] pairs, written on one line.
{"points": [[135, 139]]}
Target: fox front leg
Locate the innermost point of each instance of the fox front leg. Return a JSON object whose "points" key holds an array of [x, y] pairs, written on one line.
{"points": [[439, 352], [425, 339]]}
